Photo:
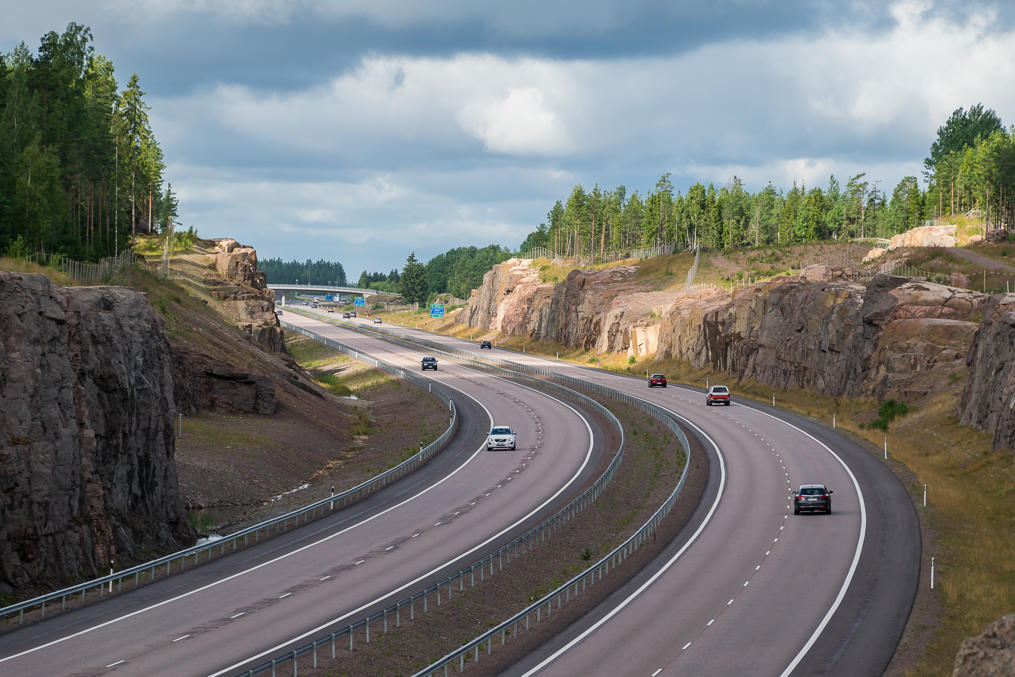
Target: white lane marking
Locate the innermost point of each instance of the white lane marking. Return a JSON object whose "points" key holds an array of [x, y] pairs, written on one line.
{"points": [[359, 562], [436, 524], [113, 665], [709, 624], [180, 639], [390, 547], [415, 534], [326, 578], [241, 613], [657, 672], [684, 648], [663, 569], [729, 602], [283, 596], [574, 477], [282, 556]]}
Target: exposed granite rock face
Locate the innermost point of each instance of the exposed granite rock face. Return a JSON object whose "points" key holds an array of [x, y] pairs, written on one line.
{"points": [[925, 236], [203, 384], [892, 337], [86, 432], [243, 289], [991, 654], [988, 401]]}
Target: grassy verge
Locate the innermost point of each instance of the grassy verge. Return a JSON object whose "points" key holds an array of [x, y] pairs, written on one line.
{"points": [[970, 508], [652, 465]]}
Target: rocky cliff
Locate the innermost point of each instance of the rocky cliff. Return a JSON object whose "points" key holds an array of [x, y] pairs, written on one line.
{"points": [[988, 401], [86, 432], [890, 337], [243, 291]]}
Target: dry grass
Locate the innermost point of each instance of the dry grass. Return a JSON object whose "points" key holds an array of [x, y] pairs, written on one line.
{"points": [[971, 490]]}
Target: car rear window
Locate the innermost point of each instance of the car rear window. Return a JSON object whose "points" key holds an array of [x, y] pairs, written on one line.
{"points": [[720, 390], [811, 491], [658, 376]]}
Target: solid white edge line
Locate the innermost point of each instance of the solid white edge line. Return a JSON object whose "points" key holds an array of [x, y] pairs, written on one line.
{"points": [[269, 562], [694, 537], [577, 474]]}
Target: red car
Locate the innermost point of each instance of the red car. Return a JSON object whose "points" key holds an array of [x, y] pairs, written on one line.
{"points": [[657, 380], [717, 395]]}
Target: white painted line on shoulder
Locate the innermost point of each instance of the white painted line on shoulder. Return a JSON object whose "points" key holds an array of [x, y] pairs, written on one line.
{"points": [[729, 602], [658, 670], [326, 578], [684, 648], [390, 547], [237, 615], [113, 665], [415, 534], [283, 596], [180, 639], [746, 583], [359, 562], [710, 623]]}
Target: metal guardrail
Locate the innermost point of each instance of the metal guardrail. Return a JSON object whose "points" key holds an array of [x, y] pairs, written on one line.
{"points": [[487, 565], [496, 560], [177, 561]]}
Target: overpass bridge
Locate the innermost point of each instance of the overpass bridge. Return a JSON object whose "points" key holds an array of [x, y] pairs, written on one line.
{"points": [[341, 294]]}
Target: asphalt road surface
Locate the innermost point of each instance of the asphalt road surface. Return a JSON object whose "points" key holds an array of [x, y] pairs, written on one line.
{"points": [[243, 609], [758, 590]]}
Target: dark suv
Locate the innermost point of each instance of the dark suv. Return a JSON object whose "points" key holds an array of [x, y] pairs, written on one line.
{"points": [[657, 380], [812, 497], [429, 363], [485, 344]]}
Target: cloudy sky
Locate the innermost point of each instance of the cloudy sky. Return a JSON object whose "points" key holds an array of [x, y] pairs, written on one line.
{"points": [[361, 130]]}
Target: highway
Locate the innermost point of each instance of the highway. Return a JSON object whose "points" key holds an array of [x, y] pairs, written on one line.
{"points": [[759, 591], [244, 608]]}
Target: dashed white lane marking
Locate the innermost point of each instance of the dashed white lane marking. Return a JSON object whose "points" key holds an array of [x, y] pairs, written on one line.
{"points": [[746, 583], [390, 547], [113, 665], [436, 524], [657, 672], [729, 602], [359, 562], [710, 623], [415, 534], [326, 578], [757, 567], [180, 639], [684, 648], [241, 613], [284, 595]]}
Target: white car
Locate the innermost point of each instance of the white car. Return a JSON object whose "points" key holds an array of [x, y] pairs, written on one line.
{"points": [[500, 437]]}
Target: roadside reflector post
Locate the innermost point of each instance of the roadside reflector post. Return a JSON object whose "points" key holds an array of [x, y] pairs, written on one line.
{"points": [[886, 447], [332, 497], [179, 434], [925, 494], [932, 572], [833, 420], [773, 399], [111, 573]]}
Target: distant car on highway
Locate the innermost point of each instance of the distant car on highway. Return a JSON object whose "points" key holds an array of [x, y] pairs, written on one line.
{"points": [[429, 363], [278, 312], [331, 310], [812, 497], [485, 344], [500, 437], [377, 320], [717, 395], [657, 380], [352, 313], [345, 316]]}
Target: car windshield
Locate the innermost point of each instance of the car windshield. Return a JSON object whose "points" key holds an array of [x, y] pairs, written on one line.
{"points": [[720, 390], [501, 431], [658, 376], [429, 359], [812, 491]]}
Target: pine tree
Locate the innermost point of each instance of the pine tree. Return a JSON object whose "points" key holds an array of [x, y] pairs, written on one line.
{"points": [[413, 281]]}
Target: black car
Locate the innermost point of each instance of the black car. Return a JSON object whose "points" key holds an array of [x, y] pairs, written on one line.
{"points": [[812, 497], [485, 344], [429, 363]]}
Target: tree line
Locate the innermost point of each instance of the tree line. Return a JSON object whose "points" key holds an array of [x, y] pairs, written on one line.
{"points": [[80, 168], [304, 272], [971, 167]]}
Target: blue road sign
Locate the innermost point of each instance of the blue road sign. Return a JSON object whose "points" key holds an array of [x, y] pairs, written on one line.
{"points": [[359, 302], [436, 310]]}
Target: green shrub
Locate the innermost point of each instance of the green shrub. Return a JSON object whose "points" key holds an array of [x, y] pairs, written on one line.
{"points": [[887, 412]]}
